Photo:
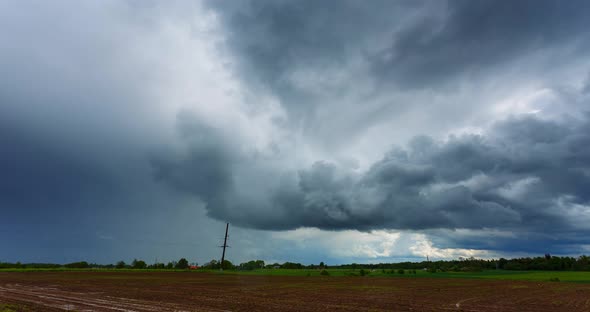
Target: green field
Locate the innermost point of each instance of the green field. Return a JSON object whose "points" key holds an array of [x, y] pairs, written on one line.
{"points": [[562, 276]]}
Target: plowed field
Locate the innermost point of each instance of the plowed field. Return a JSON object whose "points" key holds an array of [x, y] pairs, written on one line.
{"points": [[176, 291]]}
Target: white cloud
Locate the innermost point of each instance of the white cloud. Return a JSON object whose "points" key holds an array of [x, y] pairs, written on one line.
{"points": [[374, 246], [423, 247]]}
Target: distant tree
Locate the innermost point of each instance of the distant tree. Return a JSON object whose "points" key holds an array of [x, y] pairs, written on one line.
{"points": [[157, 266], [182, 264], [227, 265], [120, 265], [170, 265], [321, 264], [273, 265], [211, 265], [138, 264], [291, 265], [502, 263], [77, 265], [251, 265]]}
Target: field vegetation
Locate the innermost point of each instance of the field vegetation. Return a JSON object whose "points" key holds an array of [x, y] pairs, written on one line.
{"points": [[547, 268]]}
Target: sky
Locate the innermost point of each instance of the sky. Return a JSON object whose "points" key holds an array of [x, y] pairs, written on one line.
{"points": [[334, 131]]}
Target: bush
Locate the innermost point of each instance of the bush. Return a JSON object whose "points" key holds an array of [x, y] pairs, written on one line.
{"points": [[325, 273], [400, 271], [251, 265], [157, 266], [227, 265], [362, 272], [138, 264], [182, 264], [554, 279]]}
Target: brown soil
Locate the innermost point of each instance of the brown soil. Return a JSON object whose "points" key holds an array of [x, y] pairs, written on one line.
{"points": [[159, 291]]}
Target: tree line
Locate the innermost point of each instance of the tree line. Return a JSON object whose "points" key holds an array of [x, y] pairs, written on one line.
{"points": [[545, 263], [181, 264]]}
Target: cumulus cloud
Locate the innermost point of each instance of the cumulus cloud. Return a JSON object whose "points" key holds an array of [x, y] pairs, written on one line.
{"points": [[522, 173], [471, 37], [412, 44], [382, 65]]}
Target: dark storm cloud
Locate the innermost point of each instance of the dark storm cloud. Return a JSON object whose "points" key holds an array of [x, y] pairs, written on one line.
{"points": [[75, 126], [271, 40], [36, 174], [412, 44], [65, 110], [526, 174], [476, 35], [204, 168], [550, 240]]}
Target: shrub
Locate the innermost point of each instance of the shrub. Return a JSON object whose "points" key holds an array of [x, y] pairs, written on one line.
{"points": [[227, 265], [138, 264], [182, 264], [362, 272], [325, 273], [554, 279]]}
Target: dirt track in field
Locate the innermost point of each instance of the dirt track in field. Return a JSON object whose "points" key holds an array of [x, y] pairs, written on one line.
{"points": [[175, 291]]}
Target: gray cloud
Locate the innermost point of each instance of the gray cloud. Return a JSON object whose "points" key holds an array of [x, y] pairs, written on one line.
{"points": [[417, 44], [380, 63], [475, 36], [526, 174], [78, 116]]}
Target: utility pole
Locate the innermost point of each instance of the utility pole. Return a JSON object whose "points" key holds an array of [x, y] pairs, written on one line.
{"points": [[224, 246]]}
